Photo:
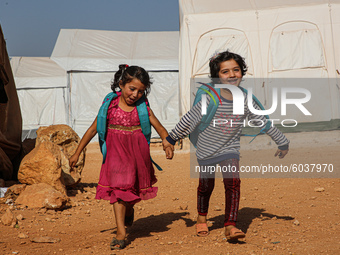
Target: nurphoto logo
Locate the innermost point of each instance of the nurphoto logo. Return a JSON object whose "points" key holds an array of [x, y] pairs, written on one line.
{"points": [[238, 102]]}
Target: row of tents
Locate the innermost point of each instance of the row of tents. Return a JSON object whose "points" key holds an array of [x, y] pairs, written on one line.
{"points": [[285, 44], [68, 87]]}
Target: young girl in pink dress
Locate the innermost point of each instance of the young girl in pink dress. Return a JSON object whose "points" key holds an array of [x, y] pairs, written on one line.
{"points": [[127, 173]]}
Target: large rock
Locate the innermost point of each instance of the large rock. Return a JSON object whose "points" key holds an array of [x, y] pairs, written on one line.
{"points": [[8, 218], [43, 165], [42, 195], [67, 141]]}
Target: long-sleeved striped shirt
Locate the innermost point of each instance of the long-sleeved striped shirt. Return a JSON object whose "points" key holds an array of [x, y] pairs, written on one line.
{"points": [[221, 139]]}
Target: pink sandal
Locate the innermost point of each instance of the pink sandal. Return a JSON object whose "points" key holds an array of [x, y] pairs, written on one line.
{"points": [[235, 234], [202, 229]]}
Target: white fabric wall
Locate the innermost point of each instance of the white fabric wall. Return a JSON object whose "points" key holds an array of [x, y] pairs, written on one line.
{"points": [[41, 88], [42, 107]]}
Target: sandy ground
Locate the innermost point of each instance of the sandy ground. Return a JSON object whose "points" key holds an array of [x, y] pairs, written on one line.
{"points": [[278, 215]]}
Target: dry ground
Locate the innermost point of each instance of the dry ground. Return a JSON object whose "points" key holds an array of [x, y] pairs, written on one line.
{"points": [[279, 215]]}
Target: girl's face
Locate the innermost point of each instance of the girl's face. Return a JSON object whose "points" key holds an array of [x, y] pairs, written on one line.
{"points": [[132, 91], [230, 72]]}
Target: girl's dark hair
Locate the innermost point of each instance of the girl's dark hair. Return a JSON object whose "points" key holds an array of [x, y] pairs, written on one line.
{"points": [[126, 74], [216, 60]]}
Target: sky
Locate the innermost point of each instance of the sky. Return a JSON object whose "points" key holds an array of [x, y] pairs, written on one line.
{"points": [[31, 27]]}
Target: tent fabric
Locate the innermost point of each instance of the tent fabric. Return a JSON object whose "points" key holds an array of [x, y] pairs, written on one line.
{"points": [[96, 50], [291, 49], [37, 72], [91, 57], [10, 118], [280, 41], [42, 88], [215, 6], [89, 89]]}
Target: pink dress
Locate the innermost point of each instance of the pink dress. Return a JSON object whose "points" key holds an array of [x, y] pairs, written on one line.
{"points": [[127, 173]]}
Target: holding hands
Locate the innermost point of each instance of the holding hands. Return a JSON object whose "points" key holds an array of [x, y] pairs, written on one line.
{"points": [[168, 148], [281, 153]]}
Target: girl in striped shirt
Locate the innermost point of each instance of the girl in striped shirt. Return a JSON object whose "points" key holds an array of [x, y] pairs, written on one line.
{"points": [[220, 144]]}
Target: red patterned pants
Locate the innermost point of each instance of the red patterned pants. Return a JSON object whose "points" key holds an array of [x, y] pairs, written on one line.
{"points": [[231, 182]]}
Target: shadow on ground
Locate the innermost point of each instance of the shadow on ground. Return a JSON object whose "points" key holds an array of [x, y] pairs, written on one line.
{"points": [[72, 191], [246, 215], [155, 224], [147, 226]]}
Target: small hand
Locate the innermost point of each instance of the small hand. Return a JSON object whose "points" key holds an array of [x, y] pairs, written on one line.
{"points": [[166, 144], [73, 160], [169, 153], [281, 153]]}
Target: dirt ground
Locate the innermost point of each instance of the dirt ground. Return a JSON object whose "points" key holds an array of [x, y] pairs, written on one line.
{"points": [[278, 215]]}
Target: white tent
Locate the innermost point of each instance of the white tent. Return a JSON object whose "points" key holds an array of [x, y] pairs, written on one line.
{"points": [[41, 88], [91, 57], [280, 41]]}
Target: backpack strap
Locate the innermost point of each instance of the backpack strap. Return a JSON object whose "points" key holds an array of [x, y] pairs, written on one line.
{"points": [[268, 124], [214, 94], [144, 119], [212, 108], [101, 122]]}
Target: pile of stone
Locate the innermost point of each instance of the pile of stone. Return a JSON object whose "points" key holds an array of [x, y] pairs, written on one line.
{"points": [[45, 173]]}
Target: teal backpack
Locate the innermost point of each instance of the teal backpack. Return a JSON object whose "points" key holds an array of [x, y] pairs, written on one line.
{"points": [[143, 115], [212, 108]]}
